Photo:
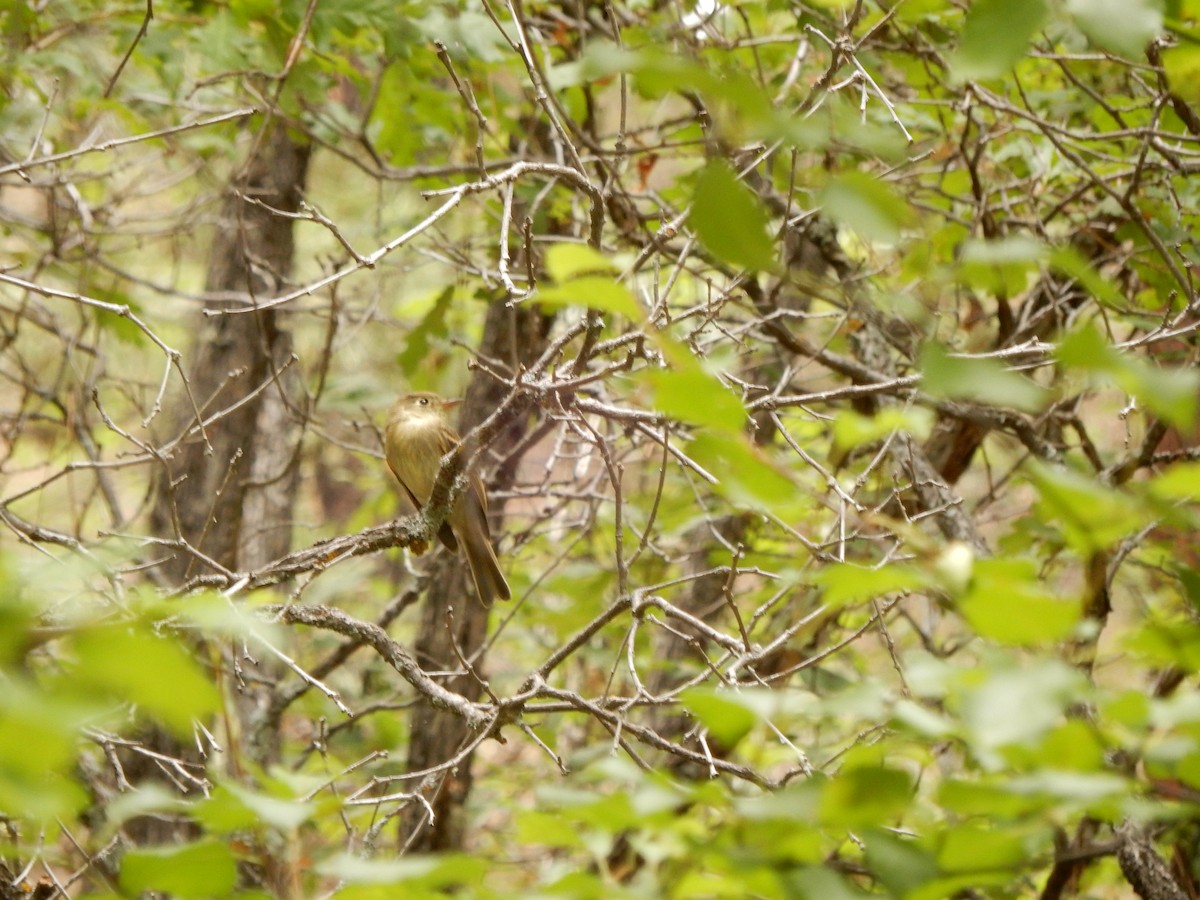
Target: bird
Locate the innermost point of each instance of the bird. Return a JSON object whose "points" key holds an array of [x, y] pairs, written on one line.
{"points": [[417, 436]]}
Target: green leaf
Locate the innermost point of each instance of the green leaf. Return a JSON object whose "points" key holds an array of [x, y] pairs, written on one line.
{"points": [[151, 671], [743, 473], [693, 395], [593, 291], [1173, 394], [973, 848], [1182, 65], [1002, 266], [982, 380], [546, 829], [728, 715], [567, 261], [864, 796], [852, 429], [1019, 704], [1007, 603], [730, 221], [900, 863], [204, 869], [1180, 482], [996, 35], [432, 326], [866, 204], [38, 733], [1122, 26], [1071, 262], [846, 583], [232, 807], [429, 871], [1092, 515]]}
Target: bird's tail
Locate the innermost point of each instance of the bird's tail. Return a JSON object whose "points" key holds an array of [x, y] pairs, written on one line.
{"points": [[485, 570]]}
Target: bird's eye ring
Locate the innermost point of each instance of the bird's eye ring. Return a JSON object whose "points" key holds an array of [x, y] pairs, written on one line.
{"points": [[424, 401]]}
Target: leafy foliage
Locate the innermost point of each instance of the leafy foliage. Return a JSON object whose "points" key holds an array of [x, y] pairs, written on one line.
{"points": [[849, 504]]}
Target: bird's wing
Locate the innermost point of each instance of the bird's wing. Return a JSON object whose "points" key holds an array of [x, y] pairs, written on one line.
{"points": [[445, 533]]}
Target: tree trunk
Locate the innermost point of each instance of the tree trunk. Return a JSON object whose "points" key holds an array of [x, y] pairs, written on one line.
{"points": [[452, 615], [229, 491], [227, 494]]}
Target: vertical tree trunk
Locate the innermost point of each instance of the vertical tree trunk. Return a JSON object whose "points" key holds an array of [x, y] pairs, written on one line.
{"points": [[453, 615], [229, 494]]}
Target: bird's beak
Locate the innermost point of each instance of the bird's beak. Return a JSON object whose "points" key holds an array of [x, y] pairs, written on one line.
{"points": [[450, 404]]}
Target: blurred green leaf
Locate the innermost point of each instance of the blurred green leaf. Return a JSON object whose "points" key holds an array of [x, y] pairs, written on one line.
{"points": [[1092, 515], [1122, 26], [430, 871], [900, 863], [1070, 262], [593, 291], [153, 672], [996, 34], [730, 220], [864, 796], [1182, 65], [432, 326], [204, 869], [1173, 394], [38, 736], [567, 261], [847, 583], [1180, 482], [695, 396], [730, 715], [1016, 705], [852, 429], [982, 380], [870, 206], [1006, 602], [231, 807], [970, 847], [546, 829], [1003, 266], [744, 474]]}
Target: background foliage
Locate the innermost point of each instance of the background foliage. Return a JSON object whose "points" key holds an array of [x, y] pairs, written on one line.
{"points": [[834, 369]]}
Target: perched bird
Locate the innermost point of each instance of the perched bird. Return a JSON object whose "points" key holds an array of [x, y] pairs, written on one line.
{"points": [[417, 436]]}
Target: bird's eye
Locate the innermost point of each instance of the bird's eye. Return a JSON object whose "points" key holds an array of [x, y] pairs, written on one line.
{"points": [[424, 401]]}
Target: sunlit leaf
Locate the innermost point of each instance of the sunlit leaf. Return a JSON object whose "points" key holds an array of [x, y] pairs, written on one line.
{"points": [[971, 848], [592, 291], [900, 863], [431, 327], [1173, 394], [231, 807], [1007, 603], [863, 796], [1020, 704], [441, 870], [1002, 266], [743, 473], [151, 671], [204, 869], [853, 429], [567, 261]]}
